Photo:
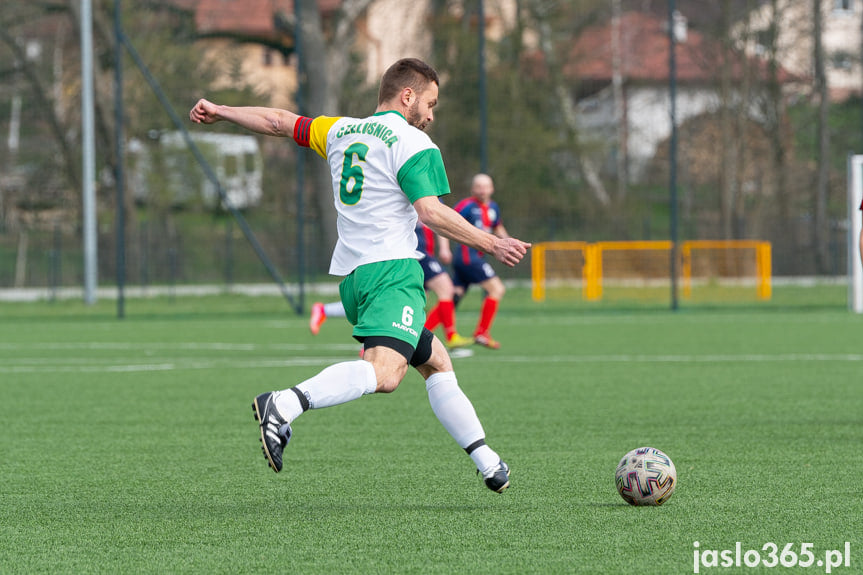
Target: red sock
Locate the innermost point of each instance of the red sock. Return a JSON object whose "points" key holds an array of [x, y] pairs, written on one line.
{"points": [[486, 317], [446, 313], [433, 319]]}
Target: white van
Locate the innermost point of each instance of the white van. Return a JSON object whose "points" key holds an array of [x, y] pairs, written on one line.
{"points": [[170, 169]]}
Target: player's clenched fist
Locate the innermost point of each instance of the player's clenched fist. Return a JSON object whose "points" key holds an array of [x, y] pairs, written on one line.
{"points": [[204, 112]]}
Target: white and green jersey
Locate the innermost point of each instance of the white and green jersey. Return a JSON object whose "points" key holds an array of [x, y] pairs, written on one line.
{"points": [[380, 165]]}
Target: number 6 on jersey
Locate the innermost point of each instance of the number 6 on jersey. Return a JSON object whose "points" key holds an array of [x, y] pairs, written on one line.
{"points": [[352, 171]]}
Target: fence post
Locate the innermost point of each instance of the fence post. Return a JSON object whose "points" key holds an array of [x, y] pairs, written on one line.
{"points": [[764, 264], [686, 269], [537, 265], [593, 271]]}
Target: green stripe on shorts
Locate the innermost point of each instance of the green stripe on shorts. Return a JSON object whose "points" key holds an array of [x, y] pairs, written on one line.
{"points": [[386, 299]]}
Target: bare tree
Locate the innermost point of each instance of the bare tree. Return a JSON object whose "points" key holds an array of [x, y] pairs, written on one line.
{"points": [[542, 13], [14, 15], [55, 91], [774, 111], [326, 65], [742, 148], [728, 157], [618, 96], [820, 224]]}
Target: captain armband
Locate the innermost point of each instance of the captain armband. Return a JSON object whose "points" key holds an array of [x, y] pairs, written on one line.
{"points": [[302, 131]]}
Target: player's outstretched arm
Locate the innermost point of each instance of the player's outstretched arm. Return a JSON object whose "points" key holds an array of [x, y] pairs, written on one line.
{"points": [[444, 253], [448, 223], [267, 121]]}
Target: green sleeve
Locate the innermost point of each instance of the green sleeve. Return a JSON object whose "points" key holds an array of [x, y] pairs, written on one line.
{"points": [[424, 175]]}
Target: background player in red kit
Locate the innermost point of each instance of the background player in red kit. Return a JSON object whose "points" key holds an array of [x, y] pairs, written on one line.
{"points": [[438, 280], [470, 265]]}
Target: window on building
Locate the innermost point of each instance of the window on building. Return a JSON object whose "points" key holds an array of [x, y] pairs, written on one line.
{"points": [[231, 166], [763, 39], [843, 5], [841, 60]]}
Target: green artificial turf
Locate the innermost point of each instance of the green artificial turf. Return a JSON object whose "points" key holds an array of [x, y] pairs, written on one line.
{"points": [[128, 446]]}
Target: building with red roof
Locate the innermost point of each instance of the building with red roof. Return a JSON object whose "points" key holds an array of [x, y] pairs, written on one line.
{"points": [[641, 104]]}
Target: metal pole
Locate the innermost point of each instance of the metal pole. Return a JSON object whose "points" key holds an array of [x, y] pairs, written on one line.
{"points": [[229, 254], [55, 261], [301, 160], [672, 185], [483, 94], [118, 144], [617, 97], [855, 269], [88, 177]]}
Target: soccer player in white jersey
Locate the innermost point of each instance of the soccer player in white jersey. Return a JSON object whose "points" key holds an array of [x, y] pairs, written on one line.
{"points": [[386, 172]]}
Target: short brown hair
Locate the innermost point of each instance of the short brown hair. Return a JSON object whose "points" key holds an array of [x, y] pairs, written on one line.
{"points": [[406, 73]]}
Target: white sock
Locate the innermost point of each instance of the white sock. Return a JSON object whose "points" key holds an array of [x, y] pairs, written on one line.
{"points": [[456, 413], [485, 459], [334, 309], [336, 384]]}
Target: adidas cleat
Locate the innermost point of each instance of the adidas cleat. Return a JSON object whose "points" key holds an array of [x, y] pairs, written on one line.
{"points": [[317, 318], [275, 431], [498, 478], [456, 341], [485, 340]]}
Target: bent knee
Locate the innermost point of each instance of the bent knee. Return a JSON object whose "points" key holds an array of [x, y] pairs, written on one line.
{"points": [[389, 377], [388, 385], [496, 290], [390, 367]]}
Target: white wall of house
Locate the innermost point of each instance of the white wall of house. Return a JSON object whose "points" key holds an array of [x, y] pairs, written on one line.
{"points": [[841, 37], [648, 120], [395, 29], [842, 46], [263, 69], [398, 29]]}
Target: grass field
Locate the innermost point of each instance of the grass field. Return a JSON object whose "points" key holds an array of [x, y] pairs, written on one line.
{"points": [[129, 446]]}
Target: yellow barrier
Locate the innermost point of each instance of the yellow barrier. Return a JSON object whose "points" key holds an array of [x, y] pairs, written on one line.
{"points": [[537, 263], [763, 261], [594, 254]]}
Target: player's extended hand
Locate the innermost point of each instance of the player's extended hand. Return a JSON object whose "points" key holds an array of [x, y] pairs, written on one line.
{"points": [[510, 251], [444, 255], [204, 112]]}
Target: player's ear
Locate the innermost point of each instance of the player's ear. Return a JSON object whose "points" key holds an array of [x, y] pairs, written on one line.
{"points": [[408, 96]]}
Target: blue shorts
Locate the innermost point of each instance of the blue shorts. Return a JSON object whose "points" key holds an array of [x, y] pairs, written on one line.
{"points": [[474, 271], [431, 268]]}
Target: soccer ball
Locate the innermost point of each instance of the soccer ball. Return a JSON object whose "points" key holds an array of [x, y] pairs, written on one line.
{"points": [[645, 476]]}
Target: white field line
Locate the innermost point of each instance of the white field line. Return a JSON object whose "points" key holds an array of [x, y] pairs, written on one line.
{"points": [[187, 346], [271, 289], [181, 365], [710, 358], [673, 320], [21, 365], [31, 357]]}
